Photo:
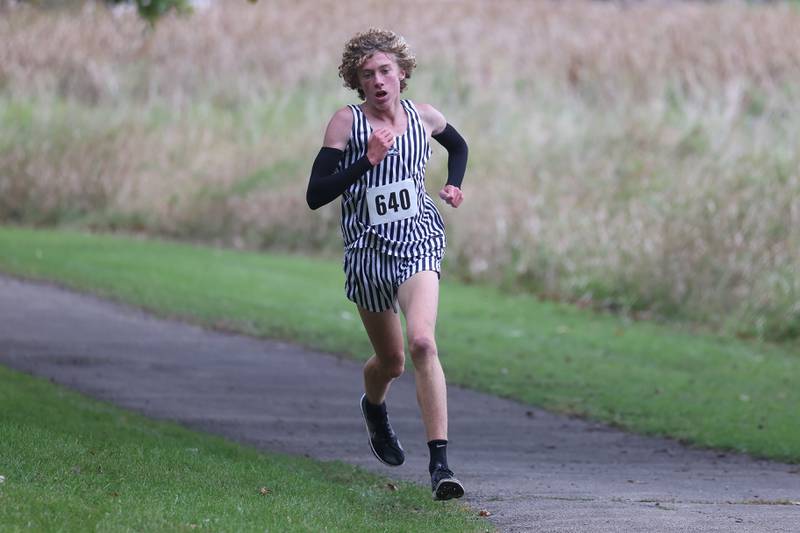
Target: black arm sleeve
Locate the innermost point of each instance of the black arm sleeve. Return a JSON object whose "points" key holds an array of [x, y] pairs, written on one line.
{"points": [[457, 151], [325, 185]]}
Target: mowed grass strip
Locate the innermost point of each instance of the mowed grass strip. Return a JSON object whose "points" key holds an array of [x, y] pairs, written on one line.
{"points": [[73, 464], [654, 379]]}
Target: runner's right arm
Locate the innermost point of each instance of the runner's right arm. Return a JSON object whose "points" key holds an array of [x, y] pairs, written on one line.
{"points": [[325, 184]]}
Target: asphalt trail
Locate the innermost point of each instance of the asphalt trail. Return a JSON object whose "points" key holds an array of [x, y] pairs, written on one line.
{"points": [[534, 471]]}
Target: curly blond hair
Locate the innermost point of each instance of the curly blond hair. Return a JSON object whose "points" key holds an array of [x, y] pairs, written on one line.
{"points": [[363, 45]]}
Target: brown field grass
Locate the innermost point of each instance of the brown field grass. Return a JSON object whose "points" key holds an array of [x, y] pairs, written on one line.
{"points": [[637, 157]]}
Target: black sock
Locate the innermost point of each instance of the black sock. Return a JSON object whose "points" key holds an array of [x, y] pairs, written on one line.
{"points": [[438, 449], [375, 412]]}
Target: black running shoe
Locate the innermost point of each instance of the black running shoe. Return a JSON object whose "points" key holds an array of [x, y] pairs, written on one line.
{"points": [[445, 486], [382, 438]]}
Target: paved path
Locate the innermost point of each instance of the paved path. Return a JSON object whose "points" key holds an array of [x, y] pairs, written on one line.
{"points": [[532, 470]]}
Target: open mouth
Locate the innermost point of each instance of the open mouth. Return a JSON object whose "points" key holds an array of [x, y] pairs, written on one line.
{"points": [[381, 94]]}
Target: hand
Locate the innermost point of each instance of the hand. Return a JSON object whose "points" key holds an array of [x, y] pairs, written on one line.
{"points": [[378, 144], [452, 195]]}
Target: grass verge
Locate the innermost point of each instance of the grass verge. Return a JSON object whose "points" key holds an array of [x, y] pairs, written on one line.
{"points": [[702, 389], [73, 464]]}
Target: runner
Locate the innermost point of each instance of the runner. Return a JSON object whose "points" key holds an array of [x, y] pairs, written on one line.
{"points": [[374, 156]]}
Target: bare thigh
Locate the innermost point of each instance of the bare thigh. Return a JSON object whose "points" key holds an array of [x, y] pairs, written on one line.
{"points": [[419, 300]]}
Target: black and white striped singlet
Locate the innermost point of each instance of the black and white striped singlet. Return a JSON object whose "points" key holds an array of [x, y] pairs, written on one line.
{"points": [[419, 235]]}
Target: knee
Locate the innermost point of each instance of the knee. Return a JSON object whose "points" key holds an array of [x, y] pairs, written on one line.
{"points": [[393, 365], [422, 348], [396, 370]]}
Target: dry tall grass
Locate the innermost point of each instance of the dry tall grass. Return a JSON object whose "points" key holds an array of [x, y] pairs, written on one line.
{"points": [[635, 156]]}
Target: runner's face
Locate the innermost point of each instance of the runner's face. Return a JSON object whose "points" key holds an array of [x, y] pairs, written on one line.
{"points": [[380, 78]]}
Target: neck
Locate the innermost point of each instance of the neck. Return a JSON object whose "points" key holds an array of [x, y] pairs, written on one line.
{"points": [[389, 113]]}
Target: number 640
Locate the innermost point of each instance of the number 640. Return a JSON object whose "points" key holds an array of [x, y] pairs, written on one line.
{"points": [[382, 206]]}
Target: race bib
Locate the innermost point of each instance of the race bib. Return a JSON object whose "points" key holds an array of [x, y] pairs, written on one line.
{"points": [[396, 201]]}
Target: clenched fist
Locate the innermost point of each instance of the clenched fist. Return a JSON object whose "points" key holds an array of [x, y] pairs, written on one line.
{"points": [[452, 195], [378, 144]]}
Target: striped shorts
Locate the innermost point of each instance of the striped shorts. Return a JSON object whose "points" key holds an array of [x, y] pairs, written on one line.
{"points": [[372, 278]]}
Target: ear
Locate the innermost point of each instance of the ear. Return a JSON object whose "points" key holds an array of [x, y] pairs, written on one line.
{"points": [[402, 74]]}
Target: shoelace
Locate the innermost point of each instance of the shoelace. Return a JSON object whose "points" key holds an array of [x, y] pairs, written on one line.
{"points": [[382, 429], [441, 473], [385, 431]]}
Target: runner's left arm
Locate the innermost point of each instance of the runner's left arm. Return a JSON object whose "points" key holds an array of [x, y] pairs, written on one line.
{"points": [[457, 152], [456, 148]]}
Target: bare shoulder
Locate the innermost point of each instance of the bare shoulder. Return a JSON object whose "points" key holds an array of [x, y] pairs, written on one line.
{"points": [[432, 118], [338, 131]]}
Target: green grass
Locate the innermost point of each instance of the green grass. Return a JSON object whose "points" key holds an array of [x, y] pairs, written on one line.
{"points": [[702, 389], [72, 464]]}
